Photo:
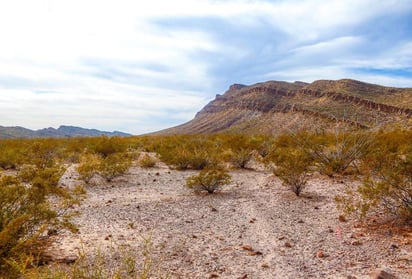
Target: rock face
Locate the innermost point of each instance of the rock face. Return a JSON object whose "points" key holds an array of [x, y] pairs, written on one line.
{"points": [[274, 106]]}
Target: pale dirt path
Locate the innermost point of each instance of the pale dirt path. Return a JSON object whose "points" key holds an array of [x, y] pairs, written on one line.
{"points": [[201, 236]]}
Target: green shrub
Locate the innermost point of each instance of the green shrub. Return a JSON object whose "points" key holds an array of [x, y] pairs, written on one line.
{"points": [[391, 187], [147, 161], [292, 167], [239, 157], [208, 180], [115, 165], [89, 166], [388, 183], [26, 212], [334, 153]]}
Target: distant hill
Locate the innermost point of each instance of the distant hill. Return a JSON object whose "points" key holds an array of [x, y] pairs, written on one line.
{"points": [[61, 132], [276, 106]]}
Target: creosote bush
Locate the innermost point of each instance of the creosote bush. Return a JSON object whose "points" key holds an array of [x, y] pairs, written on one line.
{"points": [[115, 165], [147, 161], [292, 167], [208, 180]]}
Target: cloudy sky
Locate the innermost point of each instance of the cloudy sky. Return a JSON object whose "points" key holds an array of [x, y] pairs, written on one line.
{"points": [[140, 66]]}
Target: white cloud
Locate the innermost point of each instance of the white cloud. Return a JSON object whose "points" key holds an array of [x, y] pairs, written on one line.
{"points": [[107, 64]]}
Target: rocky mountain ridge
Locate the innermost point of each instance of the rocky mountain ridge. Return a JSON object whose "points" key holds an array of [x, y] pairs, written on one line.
{"points": [[61, 132], [274, 106]]}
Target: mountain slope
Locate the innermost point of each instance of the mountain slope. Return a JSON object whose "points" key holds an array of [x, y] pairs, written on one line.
{"points": [[273, 106], [61, 132]]}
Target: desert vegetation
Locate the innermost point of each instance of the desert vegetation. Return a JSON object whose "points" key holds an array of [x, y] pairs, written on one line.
{"points": [[33, 203]]}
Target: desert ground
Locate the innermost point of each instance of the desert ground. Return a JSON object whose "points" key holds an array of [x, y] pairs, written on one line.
{"points": [[252, 228]]}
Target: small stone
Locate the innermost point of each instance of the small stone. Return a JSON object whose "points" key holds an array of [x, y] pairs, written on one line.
{"points": [[316, 207], [351, 277], [247, 248], [300, 221], [108, 237], [157, 173], [320, 254], [213, 209], [281, 238], [244, 276], [265, 265], [214, 275], [356, 243], [255, 253], [342, 218], [288, 245], [394, 246], [382, 274]]}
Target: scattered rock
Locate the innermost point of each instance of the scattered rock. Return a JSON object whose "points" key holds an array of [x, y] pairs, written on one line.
{"points": [[382, 274]]}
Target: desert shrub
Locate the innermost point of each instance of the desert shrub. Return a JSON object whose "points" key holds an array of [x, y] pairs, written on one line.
{"points": [[9, 159], [114, 165], [104, 146], [333, 153], [388, 182], [186, 152], [208, 180], [292, 167], [26, 212], [238, 157], [147, 161], [89, 166]]}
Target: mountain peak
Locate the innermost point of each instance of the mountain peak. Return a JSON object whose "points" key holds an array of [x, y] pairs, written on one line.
{"points": [[275, 106]]}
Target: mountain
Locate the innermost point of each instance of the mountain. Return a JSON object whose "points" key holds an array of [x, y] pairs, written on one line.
{"points": [[61, 132], [276, 106]]}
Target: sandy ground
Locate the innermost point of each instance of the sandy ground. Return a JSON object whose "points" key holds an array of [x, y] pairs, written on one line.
{"points": [[253, 228]]}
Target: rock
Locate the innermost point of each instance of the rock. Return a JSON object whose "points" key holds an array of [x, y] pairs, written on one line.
{"points": [[382, 274], [255, 253], [288, 245], [244, 276], [394, 246], [247, 247], [265, 265], [356, 243], [351, 277], [342, 218], [213, 275], [320, 254]]}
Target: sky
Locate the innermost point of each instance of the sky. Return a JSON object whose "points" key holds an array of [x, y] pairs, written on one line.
{"points": [[141, 66]]}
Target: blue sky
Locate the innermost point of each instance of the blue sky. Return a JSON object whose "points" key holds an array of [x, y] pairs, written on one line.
{"points": [[138, 67]]}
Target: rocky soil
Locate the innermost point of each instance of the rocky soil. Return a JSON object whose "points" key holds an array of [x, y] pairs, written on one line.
{"points": [[253, 228]]}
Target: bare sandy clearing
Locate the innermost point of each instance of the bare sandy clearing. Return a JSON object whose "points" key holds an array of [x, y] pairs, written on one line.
{"points": [[254, 228]]}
